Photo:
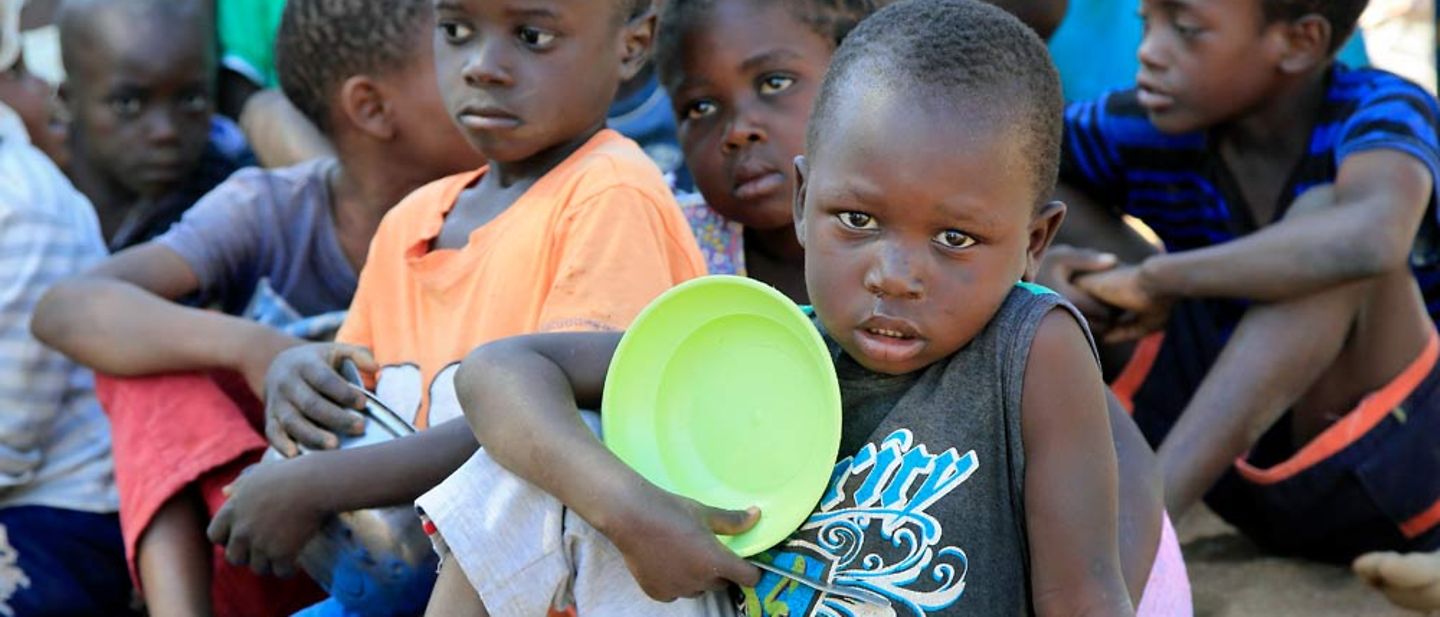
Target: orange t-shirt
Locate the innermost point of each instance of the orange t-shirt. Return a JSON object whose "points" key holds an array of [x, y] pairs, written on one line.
{"points": [[585, 248]]}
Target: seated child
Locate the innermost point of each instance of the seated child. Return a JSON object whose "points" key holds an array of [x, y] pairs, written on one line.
{"points": [[571, 227], [139, 79], [1295, 385], [279, 252], [60, 548], [744, 75], [914, 268]]}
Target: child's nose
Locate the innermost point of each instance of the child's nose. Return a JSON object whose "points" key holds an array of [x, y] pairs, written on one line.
{"points": [[160, 126], [893, 275], [488, 66], [745, 129], [1151, 54]]}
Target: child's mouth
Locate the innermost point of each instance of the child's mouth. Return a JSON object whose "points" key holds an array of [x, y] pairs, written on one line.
{"points": [[888, 340], [889, 333], [758, 186]]}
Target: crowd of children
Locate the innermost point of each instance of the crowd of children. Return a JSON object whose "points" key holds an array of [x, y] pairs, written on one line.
{"points": [[471, 200]]}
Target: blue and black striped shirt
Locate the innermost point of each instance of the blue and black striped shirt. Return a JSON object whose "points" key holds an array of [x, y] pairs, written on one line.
{"points": [[1180, 187]]}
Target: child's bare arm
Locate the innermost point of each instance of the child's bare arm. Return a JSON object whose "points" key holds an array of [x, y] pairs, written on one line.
{"points": [[1071, 482], [1367, 229], [120, 319], [521, 398]]}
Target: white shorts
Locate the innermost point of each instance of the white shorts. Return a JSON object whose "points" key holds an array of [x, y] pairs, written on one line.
{"points": [[526, 554]]}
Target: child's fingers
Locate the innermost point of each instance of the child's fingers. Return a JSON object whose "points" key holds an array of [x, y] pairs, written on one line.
{"points": [[363, 359], [739, 571], [259, 563], [299, 428], [325, 380], [237, 550], [276, 435], [730, 522], [219, 530], [291, 417]]}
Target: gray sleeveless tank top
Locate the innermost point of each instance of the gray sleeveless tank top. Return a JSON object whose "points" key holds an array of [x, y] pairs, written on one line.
{"points": [[926, 506]]}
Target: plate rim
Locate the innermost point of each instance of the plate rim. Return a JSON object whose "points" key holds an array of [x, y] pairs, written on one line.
{"points": [[753, 544]]}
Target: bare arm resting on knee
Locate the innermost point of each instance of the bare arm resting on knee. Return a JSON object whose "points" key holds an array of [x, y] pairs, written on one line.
{"points": [[121, 318], [1366, 229], [1313, 274]]}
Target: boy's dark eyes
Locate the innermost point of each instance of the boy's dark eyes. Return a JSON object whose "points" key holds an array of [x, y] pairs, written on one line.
{"points": [[700, 109], [454, 32], [1187, 31], [125, 106], [534, 37], [951, 238], [775, 84], [856, 220], [195, 103]]}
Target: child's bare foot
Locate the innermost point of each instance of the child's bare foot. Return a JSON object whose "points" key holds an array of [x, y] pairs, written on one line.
{"points": [[1410, 580]]}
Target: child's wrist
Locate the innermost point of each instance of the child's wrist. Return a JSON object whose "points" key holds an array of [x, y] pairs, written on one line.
{"points": [[613, 511], [1151, 278], [256, 349]]}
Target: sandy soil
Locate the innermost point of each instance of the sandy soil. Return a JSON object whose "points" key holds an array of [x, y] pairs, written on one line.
{"points": [[1232, 578]]}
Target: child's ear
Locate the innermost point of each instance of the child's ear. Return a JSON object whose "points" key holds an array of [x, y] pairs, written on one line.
{"points": [[802, 171], [639, 35], [1307, 43], [364, 106], [1043, 228]]}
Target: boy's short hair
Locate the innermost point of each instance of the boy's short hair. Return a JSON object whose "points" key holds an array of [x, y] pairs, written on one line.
{"points": [[963, 53], [75, 22], [631, 9], [831, 19], [1343, 15], [321, 43]]}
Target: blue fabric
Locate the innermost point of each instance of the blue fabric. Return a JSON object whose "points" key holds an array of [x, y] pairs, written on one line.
{"points": [[1095, 47], [62, 562], [647, 118]]}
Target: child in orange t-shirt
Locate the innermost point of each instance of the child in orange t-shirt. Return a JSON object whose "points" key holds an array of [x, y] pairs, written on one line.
{"points": [[571, 227]]}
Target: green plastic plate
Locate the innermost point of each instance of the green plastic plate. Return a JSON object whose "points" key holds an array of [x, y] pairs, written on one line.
{"points": [[722, 391]]}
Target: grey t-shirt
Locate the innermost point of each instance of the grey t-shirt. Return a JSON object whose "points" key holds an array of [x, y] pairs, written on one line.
{"points": [[926, 507], [270, 226]]}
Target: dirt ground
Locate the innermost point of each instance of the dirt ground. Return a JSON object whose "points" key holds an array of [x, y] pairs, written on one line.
{"points": [[1232, 578]]}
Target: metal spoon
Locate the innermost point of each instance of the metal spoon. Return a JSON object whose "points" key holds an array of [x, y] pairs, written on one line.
{"points": [[851, 593]]}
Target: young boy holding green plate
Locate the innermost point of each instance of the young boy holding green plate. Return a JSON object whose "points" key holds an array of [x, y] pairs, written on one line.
{"points": [[977, 472]]}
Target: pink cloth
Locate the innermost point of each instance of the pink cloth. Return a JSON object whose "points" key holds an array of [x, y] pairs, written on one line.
{"points": [[170, 432], [1167, 593]]}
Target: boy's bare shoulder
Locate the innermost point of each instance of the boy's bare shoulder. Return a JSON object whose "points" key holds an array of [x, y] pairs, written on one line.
{"points": [[1061, 358]]}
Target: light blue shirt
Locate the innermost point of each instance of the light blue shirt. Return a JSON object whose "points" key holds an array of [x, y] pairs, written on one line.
{"points": [[54, 440]]}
